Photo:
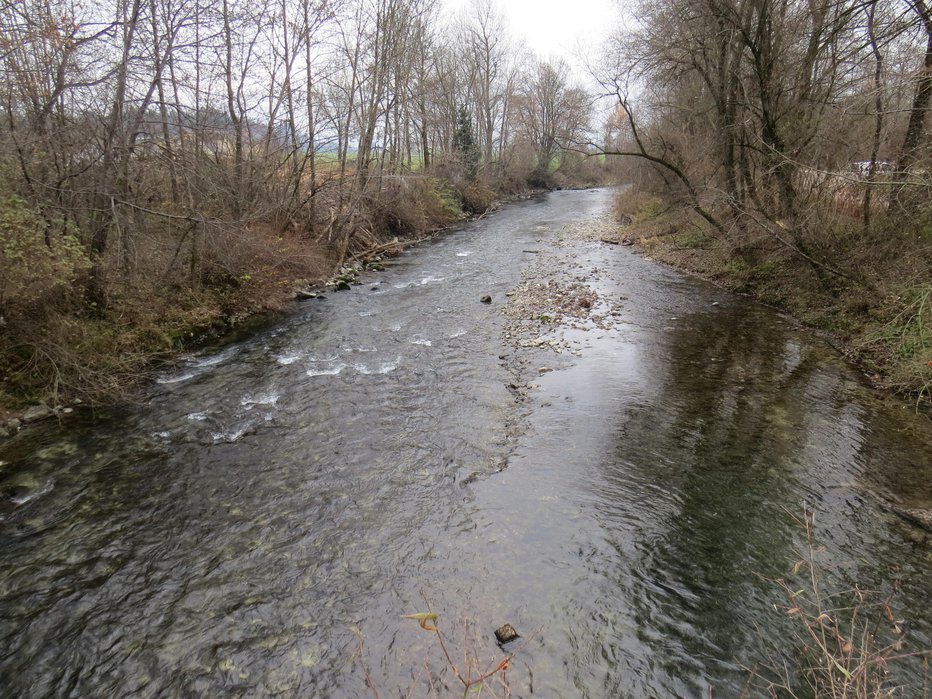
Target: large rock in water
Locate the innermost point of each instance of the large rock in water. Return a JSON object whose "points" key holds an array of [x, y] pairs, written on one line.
{"points": [[37, 412]]}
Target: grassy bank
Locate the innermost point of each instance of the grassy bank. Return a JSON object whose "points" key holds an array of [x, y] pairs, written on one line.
{"points": [[869, 292]]}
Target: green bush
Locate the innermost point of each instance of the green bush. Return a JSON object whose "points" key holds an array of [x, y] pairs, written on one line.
{"points": [[34, 268]]}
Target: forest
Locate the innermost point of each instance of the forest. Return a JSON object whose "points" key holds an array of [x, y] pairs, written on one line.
{"points": [[169, 168]]}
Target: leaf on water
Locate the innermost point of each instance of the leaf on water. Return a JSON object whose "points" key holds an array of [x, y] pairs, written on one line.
{"points": [[423, 618]]}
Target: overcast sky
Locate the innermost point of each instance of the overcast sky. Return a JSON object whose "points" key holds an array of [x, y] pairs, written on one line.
{"points": [[557, 28]]}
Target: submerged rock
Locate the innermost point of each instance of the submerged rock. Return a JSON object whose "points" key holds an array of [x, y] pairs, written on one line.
{"points": [[506, 634]]}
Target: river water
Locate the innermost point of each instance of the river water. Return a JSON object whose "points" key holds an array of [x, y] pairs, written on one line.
{"points": [[261, 523]]}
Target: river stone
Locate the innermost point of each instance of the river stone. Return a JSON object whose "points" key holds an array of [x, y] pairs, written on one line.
{"points": [[343, 285], [304, 295], [486, 299], [506, 634], [37, 412]]}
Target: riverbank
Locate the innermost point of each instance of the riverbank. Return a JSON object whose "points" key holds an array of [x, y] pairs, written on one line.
{"points": [[878, 317], [104, 359]]}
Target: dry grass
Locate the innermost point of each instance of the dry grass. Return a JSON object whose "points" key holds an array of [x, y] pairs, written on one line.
{"points": [[846, 643]]}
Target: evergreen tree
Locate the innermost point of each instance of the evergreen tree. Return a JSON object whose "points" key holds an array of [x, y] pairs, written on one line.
{"points": [[464, 143]]}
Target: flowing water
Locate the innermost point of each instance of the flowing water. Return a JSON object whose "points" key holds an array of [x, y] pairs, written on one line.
{"points": [[259, 526]]}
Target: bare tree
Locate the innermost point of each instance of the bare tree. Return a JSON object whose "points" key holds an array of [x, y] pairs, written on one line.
{"points": [[553, 112]]}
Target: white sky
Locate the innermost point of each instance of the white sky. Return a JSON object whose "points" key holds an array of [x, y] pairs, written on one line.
{"points": [[557, 28]]}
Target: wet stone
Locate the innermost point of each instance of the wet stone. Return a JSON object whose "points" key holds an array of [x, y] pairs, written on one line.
{"points": [[37, 412], [506, 634], [486, 299]]}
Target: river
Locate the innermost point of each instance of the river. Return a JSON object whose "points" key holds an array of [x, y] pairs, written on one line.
{"points": [[259, 525]]}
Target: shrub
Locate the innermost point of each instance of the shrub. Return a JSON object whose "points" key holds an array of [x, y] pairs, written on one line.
{"points": [[35, 268], [476, 197], [412, 206], [633, 205]]}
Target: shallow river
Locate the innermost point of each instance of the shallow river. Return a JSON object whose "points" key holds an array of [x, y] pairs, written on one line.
{"points": [[260, 524]]}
